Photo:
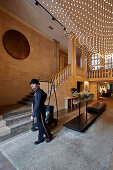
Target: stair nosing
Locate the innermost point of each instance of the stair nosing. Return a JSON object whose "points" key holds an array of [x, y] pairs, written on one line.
{"points": [[19, 125], [18, 119], [6, 115], [18, 116]]}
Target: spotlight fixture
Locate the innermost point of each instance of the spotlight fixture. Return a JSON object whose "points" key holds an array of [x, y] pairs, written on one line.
{"points": [[53, 18], [36, 2]]}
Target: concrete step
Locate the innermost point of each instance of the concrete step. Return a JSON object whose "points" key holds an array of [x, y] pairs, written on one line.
{"points": [[17, 112], [27, 99], [25, 103], [4, 131], [18, 119], [32, 93], [2, 123], [19, 125], [15, 119], [29, 96]]}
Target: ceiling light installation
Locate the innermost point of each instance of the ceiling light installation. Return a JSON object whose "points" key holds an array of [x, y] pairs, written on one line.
{"points": [[94, 19], [89, 20], [53, 18]]}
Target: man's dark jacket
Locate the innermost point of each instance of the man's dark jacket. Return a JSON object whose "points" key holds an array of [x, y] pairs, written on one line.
{"points": [[38, 102]]}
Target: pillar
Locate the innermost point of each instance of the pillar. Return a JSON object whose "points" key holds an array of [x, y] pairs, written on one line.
{"points": [[56, 55], [72, 53], [93, 88]]}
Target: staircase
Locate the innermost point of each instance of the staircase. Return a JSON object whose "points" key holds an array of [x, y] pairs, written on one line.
{"points": [[4, 130], [27, 100], [20, 118], [15, 120], [60, 77]]}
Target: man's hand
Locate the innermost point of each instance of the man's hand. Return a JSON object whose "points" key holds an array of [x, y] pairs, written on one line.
{"points": [[32, 118]]}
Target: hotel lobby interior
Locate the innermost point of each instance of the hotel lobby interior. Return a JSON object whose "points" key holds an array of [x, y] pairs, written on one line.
{"points": [[68, 47]]}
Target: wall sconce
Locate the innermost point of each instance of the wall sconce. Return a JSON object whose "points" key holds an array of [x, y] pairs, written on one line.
{"points": [[86, 82]]}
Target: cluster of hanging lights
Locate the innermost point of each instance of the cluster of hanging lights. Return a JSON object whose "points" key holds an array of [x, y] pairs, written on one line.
{"points": [[91, 21]]}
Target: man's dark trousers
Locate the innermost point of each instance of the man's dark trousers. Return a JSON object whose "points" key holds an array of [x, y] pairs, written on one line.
{"points": [[43, 129]]}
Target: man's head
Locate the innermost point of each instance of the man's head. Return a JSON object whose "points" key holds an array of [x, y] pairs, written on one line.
{"points": [[34, 84]]}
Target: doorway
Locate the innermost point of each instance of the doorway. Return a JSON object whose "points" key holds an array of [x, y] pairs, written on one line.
{"points": [[80, 86]]}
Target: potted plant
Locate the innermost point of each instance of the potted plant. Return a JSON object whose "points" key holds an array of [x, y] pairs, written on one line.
{"points": [[74, 92]]}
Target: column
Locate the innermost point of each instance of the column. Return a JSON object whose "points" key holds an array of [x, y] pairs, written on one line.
{"points": [[72, 53], [93, 88], [56, 54]]}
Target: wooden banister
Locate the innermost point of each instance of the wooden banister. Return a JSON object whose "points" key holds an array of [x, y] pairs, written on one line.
{"points": [[54, 75], [107, 73], [61, 76]]}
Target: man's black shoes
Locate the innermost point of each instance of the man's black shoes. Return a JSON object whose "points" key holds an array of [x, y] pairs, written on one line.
{"points": [[38, 142], [49, 140], [33, 129]]}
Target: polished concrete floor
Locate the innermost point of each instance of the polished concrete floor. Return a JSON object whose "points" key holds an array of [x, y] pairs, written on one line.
{"points": [[67, 144]]}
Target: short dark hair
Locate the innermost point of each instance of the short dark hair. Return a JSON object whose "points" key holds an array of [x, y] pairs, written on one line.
{"points": [[34, 81]]}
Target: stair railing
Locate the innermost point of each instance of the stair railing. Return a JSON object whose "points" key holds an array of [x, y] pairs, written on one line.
{"points": [[61, 76], [107, 73]]}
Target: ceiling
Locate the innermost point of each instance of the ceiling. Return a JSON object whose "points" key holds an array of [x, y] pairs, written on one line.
{"points": [[38, 18], [90, 21]]}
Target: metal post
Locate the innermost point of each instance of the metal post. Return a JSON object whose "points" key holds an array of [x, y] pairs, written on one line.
{"points": [[79, 114], [56, 102], [50, 92], [86, 111]]}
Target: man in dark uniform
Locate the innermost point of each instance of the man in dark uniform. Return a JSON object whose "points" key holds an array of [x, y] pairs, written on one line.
{"points": [[39, 111]]}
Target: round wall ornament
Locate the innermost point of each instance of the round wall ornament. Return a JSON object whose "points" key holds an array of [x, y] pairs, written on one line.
{"points": [[16, 44]]}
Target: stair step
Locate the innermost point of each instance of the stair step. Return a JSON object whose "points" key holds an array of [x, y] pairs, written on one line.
{"points": [[27, 99], [19, 125], [4, 130], [17, 112], [25, 103], [29, 96], [2, 123], [32, 93], [15, 119]]}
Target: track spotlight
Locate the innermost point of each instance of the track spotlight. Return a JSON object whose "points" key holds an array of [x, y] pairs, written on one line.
{"points": [[36, 3], [53, 18]]}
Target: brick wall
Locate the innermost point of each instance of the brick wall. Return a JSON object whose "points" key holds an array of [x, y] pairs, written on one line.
{"points": [[16, 74]]}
